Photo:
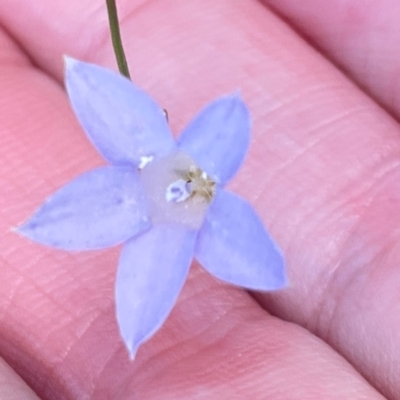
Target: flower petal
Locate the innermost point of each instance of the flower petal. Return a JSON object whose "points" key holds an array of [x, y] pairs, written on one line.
{"points": [[218, 137], [152, 270], [234, 246], [122, 121], [100, 208]]}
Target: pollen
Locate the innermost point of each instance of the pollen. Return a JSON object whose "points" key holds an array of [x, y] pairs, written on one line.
{"points": [[200, 183]]}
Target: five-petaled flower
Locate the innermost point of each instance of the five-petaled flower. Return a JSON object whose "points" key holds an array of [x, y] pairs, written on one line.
{"points": [[163, 198]]}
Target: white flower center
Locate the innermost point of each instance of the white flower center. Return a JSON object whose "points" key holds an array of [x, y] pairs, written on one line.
{"points": [[177, 190]]}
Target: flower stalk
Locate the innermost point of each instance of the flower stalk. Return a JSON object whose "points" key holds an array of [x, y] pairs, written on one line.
{"points": [[116, 38]]}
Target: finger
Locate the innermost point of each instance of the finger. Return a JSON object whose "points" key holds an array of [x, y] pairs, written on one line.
{"points": [[336, 181], [12, 387], [58, 325], [58, 320], [361, 37]]}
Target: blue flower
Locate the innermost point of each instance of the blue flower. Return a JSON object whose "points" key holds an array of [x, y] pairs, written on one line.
{"points": [[164, 199]]}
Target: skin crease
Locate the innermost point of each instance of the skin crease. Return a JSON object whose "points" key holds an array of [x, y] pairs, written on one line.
{"points": [[322, 172], [359, 35]]}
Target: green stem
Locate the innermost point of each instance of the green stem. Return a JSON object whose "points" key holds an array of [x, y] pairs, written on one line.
{"points": [[116, 38]]}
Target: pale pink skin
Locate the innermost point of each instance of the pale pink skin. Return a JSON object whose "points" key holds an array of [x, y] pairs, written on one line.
{"points": [[323, 173]]}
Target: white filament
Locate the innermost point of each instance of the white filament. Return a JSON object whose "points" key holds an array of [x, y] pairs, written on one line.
{"points": [[144, 160]]}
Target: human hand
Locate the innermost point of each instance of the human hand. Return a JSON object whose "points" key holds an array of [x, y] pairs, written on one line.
{"points": [[322, 173]]}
